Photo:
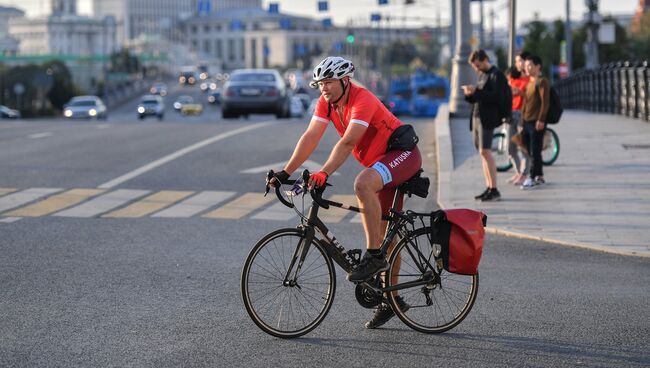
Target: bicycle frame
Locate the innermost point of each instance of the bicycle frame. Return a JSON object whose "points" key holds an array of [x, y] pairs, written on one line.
{"points": [[348, 260]]}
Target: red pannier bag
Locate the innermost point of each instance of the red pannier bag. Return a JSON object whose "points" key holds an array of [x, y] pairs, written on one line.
{"points": [[460, 234]]}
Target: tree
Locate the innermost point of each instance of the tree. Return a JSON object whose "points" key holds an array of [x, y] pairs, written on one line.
{"points": [[63, 89], [640, 41]]}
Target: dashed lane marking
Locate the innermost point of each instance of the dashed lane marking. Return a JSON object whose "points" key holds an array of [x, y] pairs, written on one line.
{"points": [[103, 203], [195, 204], [4, 191], [241, 206], [161, 161], [23, 197], [150, 204], [55, 203]]}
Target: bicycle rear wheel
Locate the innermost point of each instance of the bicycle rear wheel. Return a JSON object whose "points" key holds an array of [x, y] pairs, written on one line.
{"points": [[551, 148], [282, 309], [439, 305], [500, 152]]}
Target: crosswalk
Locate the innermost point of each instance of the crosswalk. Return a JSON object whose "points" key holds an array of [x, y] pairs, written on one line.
{"points": [[16, 203]]}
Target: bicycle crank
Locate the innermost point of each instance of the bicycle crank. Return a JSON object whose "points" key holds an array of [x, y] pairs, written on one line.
{"points": [[368, 294]]}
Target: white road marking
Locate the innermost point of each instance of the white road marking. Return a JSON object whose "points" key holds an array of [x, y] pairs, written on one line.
{"points": [[25, 196], [40, 135], [177, 154], [309, 165], [276, 212], [103, 203], [8, 220], [195, 204]]}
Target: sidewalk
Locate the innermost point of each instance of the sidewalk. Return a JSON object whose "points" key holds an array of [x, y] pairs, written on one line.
{"points": [[597, 194]]}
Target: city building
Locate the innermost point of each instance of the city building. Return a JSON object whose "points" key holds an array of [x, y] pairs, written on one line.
{"points": [[8, 45], [252, 37], [147, 18], [84, 43]]}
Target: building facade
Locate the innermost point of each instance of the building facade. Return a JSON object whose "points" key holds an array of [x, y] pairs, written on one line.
{"points": [[8, 45]]}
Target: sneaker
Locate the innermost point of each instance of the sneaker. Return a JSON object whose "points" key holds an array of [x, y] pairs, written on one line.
{"points": [[368, 267], [529, 183], [480, 196], [539, 181], [385, 312], [492, 195]]}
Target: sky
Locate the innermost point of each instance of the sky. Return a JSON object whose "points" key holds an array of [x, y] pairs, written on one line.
{"points": [[357, 11]]}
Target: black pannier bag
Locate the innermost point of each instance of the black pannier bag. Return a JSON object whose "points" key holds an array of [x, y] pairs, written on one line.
{"points": [[403, 138]]}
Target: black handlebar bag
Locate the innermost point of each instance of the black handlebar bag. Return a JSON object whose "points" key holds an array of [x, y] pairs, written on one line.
{"points": [[460, 234]]}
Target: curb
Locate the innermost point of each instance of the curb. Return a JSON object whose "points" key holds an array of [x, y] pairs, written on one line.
{"points": [[445, 166]]}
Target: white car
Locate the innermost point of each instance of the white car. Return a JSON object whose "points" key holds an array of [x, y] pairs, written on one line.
{"points": [[151, 105], [85, 107]]}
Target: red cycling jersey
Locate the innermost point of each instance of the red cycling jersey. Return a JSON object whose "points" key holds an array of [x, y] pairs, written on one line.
{"points": [[362, 108]]}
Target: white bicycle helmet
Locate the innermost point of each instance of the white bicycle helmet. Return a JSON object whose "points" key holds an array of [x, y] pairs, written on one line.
{"points": [[332, 67]]}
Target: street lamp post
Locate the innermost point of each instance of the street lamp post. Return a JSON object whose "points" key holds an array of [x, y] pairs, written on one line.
{"points": [[512, 32], [461, 72]]}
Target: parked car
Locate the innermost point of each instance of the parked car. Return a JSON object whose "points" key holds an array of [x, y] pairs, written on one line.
{"points": [[7, 113], [85, 107], [255, 91], [151, 105], [158, 89], [182, 100]]}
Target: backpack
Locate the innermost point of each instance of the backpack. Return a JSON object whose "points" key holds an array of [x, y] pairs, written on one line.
{"points": [[505, 101], [459, 234], [554, 109]]}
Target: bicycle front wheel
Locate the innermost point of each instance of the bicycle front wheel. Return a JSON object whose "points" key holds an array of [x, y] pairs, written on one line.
{"points": [[500, 152], [551, 148], [289, 308], [438, 305]]}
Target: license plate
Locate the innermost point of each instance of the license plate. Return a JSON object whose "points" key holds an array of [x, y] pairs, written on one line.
{"points": [[250, 91]]}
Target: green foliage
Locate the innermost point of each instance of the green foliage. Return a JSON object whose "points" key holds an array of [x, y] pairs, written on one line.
{"points": [[546, 42], [640, 41], [123, 61], [63, 88], [37, 100]]}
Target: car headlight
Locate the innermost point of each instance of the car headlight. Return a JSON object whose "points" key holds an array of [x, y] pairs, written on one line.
{"points": [[67, 113], [141, 109], [92, 112]]}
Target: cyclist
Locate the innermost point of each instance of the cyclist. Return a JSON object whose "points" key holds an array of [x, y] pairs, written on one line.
{"points": [[365, 126]]}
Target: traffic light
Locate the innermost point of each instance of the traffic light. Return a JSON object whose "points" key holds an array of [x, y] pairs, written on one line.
{"points": [[350, 37]]}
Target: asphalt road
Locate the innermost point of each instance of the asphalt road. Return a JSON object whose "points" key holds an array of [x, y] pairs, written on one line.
{"points": [[164, 292]]}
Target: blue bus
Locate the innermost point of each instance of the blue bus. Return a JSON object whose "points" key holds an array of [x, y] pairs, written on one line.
{"points": [[419, 95]]}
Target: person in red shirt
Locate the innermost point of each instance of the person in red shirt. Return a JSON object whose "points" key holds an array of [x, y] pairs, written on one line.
{"points": [[365, 126], [518, 80]]}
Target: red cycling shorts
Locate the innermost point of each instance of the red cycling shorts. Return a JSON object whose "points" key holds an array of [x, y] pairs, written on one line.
{"points": [[396, 167]]}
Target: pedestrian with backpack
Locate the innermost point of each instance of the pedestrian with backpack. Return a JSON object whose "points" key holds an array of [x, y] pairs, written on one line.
{"points": [[491, 101], [534, 115]]}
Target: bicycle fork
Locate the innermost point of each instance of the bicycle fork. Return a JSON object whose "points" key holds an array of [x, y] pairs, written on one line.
{"points": [[291, 277]]}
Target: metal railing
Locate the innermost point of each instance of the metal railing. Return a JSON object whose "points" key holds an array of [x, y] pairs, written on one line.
{"points": [[616, 88]]}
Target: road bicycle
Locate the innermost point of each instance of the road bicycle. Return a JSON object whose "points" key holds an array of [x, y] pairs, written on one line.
{"points": [[288, 281], [550, 149]]}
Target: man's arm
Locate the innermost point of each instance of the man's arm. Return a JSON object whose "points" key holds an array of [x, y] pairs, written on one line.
{"points": [[343, 148], [545, 96], [306, 144]]}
